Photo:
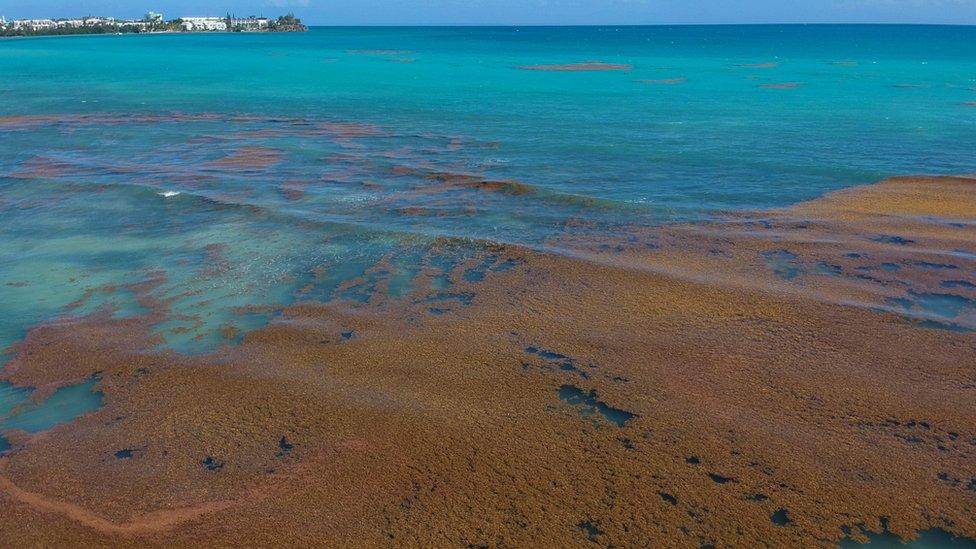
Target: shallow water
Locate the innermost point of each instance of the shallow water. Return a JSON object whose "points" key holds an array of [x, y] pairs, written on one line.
{"points": [[588, 405], [18, 412], [929, 539], [11, 397], [270, 187]]}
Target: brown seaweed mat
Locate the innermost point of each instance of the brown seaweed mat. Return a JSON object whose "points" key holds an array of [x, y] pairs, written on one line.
{"points": [[755, 380]]}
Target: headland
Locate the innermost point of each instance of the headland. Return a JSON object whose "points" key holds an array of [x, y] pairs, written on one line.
{"points": [[152, 22]]}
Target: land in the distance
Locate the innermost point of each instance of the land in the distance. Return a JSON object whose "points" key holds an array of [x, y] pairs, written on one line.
{"points": [[151, 22]]}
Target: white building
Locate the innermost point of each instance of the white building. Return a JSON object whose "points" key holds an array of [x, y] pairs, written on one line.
{"points": [[94, 21], [250, 23], [203, 23], [33, 24], [73, 23], [153, 17]]}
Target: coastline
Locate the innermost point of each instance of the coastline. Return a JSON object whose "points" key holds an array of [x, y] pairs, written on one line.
{"points": [[751, 380], [151, 23], [149, 33]]}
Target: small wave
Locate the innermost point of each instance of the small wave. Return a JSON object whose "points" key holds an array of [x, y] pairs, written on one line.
{"points": [[448, 181], [168, 194]]}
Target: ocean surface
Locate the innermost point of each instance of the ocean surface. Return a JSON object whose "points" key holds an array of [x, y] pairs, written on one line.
{"points": [[270, 156]]}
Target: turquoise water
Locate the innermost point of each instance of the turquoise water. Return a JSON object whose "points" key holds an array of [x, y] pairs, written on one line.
{"points": [[928, 539], [348, 125], [19, 412], [589, 406]]}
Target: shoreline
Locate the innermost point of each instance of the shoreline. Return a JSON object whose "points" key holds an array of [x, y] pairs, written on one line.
{"points": [[749, 381], [150, 33]]}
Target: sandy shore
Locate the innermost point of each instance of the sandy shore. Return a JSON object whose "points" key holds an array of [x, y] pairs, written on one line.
{"points": [[745, 382]]}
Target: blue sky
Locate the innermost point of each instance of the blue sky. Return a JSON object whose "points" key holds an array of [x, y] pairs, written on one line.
{"points": [[524, 12]]}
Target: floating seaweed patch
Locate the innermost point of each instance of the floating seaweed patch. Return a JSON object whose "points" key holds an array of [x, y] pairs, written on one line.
{"points": [[40, 167], [350, 129], [589, 404], [248, 158], [380, 52], [292, 190], [781, 86], [665, 81], [579, 67], [451, 181]]}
